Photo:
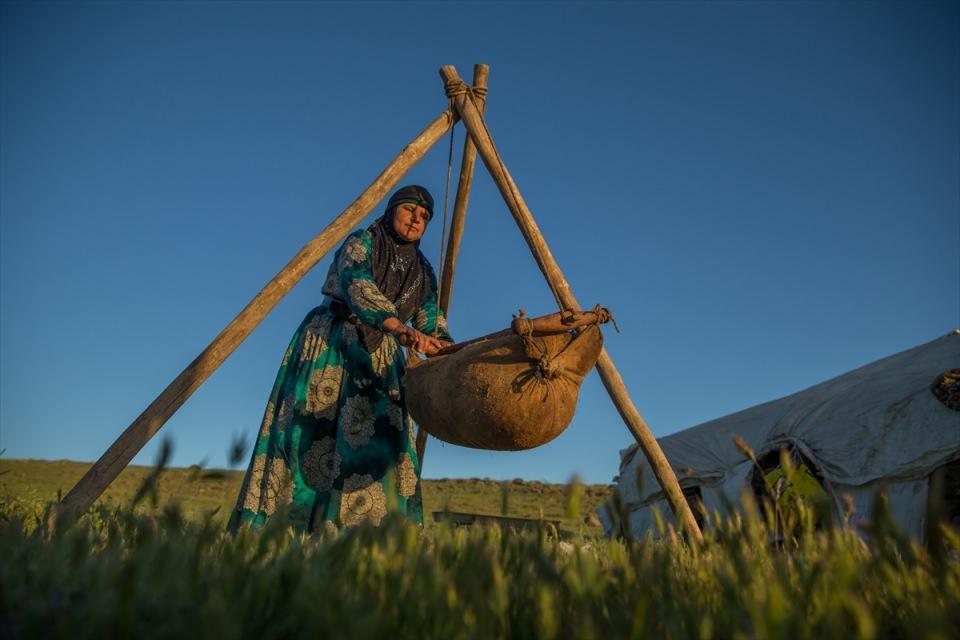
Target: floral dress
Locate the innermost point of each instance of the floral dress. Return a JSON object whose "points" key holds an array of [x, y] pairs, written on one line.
{"points": [[336, 445]]}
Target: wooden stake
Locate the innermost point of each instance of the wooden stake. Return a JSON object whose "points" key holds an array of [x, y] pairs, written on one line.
{"points": [[612, 381], [480, 74], [121, 452]]}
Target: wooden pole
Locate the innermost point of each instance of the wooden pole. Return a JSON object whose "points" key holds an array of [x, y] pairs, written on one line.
{"points": [[480, 74], [121, 452], [612, 381]]}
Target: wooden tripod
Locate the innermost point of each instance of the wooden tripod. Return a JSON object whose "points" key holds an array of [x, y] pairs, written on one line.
{"points": [[466, 103]]}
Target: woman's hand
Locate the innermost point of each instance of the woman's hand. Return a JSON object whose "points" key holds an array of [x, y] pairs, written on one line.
{"points": [[414, 339], [436, 344], [419, 341]]}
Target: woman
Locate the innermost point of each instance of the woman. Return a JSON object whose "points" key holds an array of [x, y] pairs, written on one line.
{"points": [[336, 447]]}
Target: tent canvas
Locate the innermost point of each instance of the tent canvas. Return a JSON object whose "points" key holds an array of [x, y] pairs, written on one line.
{"points": [[876, 427]]}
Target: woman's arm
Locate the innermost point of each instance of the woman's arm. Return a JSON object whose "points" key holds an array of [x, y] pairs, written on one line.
{"points": [[366, 301], [429, 319], [360, 293]]}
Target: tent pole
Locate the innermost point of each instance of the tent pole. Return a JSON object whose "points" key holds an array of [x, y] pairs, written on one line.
{"points": [[480, 74], [121, 452], [612, 381]]}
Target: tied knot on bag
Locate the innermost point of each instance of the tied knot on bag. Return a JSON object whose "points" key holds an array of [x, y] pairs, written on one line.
{"points": [[536, 350]]}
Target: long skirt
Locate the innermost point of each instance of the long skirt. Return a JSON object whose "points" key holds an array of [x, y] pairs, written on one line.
{"points": [[336, 445]]}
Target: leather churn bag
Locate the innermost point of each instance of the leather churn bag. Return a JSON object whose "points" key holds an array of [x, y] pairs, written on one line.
{"points": [[508, 393]]}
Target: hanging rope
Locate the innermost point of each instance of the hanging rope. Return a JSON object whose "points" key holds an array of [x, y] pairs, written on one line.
{"points": [[443, 229], [453, 89]]}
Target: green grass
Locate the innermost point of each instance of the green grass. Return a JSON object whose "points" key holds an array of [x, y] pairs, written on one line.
{"points": [[198, 492], [171, 571], [123, 574]]}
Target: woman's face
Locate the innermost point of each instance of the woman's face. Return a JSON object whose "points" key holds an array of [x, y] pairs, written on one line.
{"points": [[410, 221]]}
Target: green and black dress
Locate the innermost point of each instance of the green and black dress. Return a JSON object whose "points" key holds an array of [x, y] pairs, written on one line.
{"points": [[336, 446]]}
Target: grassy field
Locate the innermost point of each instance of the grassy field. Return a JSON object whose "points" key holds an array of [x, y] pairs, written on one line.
{"points": [[169, 570], [199, 492], [121, 574]]}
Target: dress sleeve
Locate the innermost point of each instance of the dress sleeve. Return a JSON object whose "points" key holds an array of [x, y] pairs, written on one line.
{"points": [[429, 317], [355, 267]]}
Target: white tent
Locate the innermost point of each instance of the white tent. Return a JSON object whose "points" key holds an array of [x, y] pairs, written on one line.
{"points": [[879, 426]]}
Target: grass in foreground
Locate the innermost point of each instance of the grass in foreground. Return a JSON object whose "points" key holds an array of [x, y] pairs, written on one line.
{"points": [[124, 574]]}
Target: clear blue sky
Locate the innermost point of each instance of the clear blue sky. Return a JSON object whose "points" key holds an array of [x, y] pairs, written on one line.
{"points": [[765, 194]]}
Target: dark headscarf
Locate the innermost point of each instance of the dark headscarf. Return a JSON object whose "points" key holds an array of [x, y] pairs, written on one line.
{"points": [[412, 193], [400, 270]]}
